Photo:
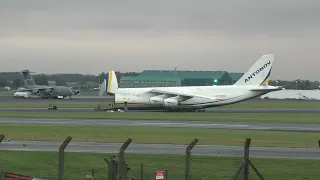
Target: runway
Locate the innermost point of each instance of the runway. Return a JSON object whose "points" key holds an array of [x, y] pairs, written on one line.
{"points": [[208, 150], [291, 127], [217, 110]]}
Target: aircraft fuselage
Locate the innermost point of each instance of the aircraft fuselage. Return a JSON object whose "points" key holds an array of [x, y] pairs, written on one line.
{"points": [[51, 93], [142, 98]]}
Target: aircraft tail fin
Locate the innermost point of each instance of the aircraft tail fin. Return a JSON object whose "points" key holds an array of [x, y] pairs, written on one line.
{"points": [[27, 78], [259, 72], [110, 84]]}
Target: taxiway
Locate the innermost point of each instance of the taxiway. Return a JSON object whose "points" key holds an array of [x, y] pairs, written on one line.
{"points": [[209, 150], [217, 110], [291, 127]]}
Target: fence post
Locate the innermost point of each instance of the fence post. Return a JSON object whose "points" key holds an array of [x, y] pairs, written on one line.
{"points": [[121, 170], [1, 137], [92, 174], [245, 164], [166, 174], [111, 167], [319, 143], [141, 172], [1, 174], [188, 154], [246, 158], [61, 157]]}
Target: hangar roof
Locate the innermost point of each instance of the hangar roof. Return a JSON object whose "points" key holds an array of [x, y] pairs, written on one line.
{"points": [[185, 74], [235, 76], [149, 78]]}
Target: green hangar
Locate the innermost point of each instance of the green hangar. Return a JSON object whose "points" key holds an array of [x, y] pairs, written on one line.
{"points": [[168, 78]]}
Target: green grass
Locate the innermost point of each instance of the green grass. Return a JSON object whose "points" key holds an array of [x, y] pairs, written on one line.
{"points": [[78, 165], [160, 135], [273, 104], [196, 116], [245, 104]]}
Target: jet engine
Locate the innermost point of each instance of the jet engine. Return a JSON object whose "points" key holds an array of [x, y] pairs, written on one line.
{"points": [[170, 102], [50, 91], [156, 100], [37, 92], [76, 92]]}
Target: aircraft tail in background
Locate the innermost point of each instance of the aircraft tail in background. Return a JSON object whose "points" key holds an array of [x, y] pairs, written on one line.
{"points": [[27, 78]]}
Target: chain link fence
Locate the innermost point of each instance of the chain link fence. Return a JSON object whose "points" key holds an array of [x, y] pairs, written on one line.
{"points": [[234, 163]]}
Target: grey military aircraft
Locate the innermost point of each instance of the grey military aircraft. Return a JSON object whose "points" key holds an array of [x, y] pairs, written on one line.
{"points": [[45, 92]]}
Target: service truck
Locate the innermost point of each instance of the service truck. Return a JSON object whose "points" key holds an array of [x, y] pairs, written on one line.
{"points": [[22, 95]]}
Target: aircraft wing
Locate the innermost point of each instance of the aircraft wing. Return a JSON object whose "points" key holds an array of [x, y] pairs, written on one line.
{"points": [[184, 95], [40, 89], [44, 88]]}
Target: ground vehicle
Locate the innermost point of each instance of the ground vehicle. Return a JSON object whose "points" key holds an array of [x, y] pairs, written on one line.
{"points": [[52, 107], [22, 95]]}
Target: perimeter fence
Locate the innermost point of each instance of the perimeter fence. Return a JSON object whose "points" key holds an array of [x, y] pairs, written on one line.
{"points": [[218, 162]]}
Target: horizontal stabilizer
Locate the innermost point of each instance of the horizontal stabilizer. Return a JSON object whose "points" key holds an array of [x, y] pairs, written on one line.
{"points": [[268, 88]]}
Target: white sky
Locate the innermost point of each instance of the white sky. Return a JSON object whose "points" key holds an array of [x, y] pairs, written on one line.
{"points": [[96, 36]]}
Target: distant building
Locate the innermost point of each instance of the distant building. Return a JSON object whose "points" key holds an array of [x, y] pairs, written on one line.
{"points": [[52, 83], [168, 78], [148, 81], [293, 94], [235, 76]]}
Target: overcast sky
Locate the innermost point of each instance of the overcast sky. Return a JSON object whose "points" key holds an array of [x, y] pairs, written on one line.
{"points": [[95, 36]]}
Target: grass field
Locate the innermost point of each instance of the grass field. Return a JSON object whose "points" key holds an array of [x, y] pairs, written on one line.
{"points": [[201, 116], [77, 165], [160, 135], [81, 104]]}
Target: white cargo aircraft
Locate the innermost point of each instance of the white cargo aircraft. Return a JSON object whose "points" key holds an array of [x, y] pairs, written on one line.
{"points": [[252, 84]]}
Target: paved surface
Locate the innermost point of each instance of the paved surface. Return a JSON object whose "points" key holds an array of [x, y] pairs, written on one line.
{"points": [[166, 123], [209, 150], [218, 110]]}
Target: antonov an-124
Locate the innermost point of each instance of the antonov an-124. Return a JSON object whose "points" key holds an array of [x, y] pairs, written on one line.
{"points": [[252, 84]]}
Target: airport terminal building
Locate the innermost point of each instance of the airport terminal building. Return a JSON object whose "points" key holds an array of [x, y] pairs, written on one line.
{"points": [[168, 78]]}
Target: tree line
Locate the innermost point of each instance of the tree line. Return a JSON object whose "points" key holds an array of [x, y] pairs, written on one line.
{"points": [[15, 79]]}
